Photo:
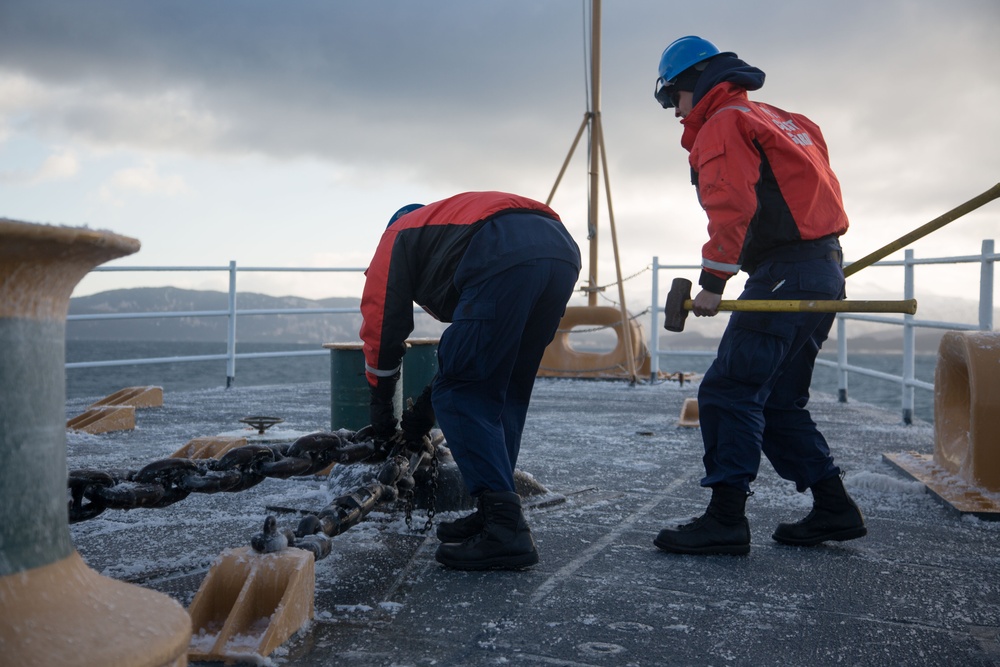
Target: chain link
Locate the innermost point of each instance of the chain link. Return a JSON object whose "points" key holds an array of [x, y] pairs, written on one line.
{"points": [[394, 481], [432, 500], [167, 481]]}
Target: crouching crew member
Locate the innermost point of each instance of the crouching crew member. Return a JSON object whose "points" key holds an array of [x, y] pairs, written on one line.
{"points": [[500, 268]]}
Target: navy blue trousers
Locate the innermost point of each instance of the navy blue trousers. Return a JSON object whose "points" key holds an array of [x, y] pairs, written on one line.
{"points": [[487, 361], [753, 397]]}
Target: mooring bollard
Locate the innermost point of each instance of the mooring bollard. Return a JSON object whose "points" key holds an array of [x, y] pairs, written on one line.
{"points": [[966, 397], [349, 393], [55, 609], [964, 470]]}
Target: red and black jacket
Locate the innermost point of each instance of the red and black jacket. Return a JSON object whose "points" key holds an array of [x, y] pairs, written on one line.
{"points": [[763, 177], [424, 257]]}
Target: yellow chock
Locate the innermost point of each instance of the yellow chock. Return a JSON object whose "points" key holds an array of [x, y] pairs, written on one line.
{"points": [[689, 413], [965, 467], [210, 447], [104, 419], [251, 603], [137, 397], [116, 412]]}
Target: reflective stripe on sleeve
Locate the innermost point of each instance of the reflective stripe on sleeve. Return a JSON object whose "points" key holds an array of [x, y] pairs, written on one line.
{"points": [[382, 374], [719, 266]]}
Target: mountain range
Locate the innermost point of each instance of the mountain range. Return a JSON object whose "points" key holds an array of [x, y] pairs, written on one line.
{"points": [[305, 329]]}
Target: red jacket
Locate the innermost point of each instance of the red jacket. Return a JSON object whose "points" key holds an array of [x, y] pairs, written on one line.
{"points": [[429, 255], [763, 177]]}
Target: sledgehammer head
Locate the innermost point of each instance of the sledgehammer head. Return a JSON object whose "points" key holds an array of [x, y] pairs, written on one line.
{"points": [[674, 311]]}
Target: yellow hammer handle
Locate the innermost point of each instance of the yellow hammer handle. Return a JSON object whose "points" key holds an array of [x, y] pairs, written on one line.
{"points": [[908, 306]]}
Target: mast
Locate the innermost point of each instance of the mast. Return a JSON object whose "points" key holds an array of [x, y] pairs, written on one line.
{"points": [[597, 162], [594, 161]]}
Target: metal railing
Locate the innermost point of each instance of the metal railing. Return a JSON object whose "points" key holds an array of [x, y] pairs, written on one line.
{"points": [[908, 382], [909, 324], [231, 355]]}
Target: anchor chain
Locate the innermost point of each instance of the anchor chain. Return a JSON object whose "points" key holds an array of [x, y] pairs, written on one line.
{"points": [[394, 481], [432, 500], [167, 481]]}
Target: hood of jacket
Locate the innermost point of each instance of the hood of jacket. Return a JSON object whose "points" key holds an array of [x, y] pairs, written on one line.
{"points": [[727, 68]]}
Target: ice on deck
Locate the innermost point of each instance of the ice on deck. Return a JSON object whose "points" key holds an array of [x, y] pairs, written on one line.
{"points": [[921, 588]]}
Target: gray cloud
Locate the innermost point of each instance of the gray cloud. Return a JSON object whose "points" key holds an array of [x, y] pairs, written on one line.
{"points": [[453, 92]]}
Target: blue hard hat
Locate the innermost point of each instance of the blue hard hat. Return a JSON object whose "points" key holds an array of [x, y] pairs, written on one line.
{"points": [[403, 211], [678, 56]]}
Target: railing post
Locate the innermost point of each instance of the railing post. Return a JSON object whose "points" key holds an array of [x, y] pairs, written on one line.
{"points": [[986, 287], [841, 359], [654, 330], [908, 341], [231, 329]]}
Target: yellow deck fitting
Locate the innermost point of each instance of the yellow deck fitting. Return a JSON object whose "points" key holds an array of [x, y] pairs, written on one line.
{"points": [[209, 447], [964, 470], [945, 486], [689, 413], [54, 609], [251, 603], [137, 397], [967, 407], [562, 360], [65, 613], [116, 412], [104, 419]]}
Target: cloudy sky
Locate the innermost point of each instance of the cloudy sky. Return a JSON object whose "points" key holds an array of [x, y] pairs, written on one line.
{"points": [[286, 133]]}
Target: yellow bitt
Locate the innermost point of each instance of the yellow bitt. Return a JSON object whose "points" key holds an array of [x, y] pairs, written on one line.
{"points": [[55, 610]]}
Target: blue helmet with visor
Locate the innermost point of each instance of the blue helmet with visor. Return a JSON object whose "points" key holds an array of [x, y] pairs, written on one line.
{"points": [[678, 56]]}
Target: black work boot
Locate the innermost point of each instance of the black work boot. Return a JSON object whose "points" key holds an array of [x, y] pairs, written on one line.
{"points": [[722, 529], [463, 528], [503, 543], [834, 516]]}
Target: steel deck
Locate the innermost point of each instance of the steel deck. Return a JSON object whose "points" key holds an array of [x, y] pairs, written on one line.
{"points": [[923, 588]]}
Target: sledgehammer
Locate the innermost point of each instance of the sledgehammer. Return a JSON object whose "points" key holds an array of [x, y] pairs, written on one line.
{"points": [[679, 303]]}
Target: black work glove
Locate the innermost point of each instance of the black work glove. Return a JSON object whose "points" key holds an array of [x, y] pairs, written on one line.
{"points": [[418, 419], [380, 409]]}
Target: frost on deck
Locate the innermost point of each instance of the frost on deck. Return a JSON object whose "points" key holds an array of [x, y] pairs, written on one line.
{"points": [[921, 588]]}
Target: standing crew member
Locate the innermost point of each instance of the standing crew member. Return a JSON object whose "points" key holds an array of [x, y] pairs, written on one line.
{"points": [[500, 267], [774, 210]]}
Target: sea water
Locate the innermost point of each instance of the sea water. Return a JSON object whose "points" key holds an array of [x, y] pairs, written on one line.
{"points": [[861, 388], [187, 376]]}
